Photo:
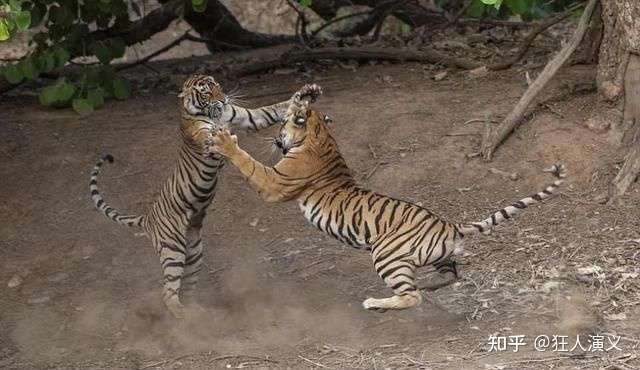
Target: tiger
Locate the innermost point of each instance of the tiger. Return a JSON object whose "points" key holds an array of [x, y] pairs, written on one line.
{"points": [[400, 236], [173, 223]]}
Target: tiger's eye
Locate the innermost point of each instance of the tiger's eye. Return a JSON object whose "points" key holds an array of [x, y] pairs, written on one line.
{"points": [[300, 121]]}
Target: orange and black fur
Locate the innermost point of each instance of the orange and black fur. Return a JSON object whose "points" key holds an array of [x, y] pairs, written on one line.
{"points": [[401, 236], [174, 221]]}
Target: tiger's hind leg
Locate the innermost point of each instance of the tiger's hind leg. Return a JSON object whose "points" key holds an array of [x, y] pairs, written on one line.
{"points": [[447, 274], [400, 277], [193, 262], [193, 265], [172, 260]]}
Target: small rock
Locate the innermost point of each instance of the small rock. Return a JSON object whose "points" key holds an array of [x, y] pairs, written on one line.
{"points": [[549, 286], [254, 222], [616, 317], [39, 300], [56, 278], [441, 76], [478, 72], [14, 282], [597, 124], [610, 91], [589, 270]]}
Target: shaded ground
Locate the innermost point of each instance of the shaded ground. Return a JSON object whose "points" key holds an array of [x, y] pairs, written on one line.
{"points": [[279, 294]]}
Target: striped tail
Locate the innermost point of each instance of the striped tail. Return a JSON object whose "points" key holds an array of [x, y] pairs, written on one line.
{"points": [[485, 226], [126, 220]]}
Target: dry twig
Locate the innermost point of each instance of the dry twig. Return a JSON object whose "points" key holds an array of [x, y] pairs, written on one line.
{"points": [[507, 126]]}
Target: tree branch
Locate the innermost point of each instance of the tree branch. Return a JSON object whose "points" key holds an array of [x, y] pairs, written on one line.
{"points": [[393, 54], [538, 29], [513, 119]]}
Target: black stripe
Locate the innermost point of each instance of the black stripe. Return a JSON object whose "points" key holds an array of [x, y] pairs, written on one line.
{"points": [[504, 214], [519, 204], [233, 115]]}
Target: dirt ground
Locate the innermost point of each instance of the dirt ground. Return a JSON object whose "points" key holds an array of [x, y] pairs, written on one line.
{"points": [[277, 293]]}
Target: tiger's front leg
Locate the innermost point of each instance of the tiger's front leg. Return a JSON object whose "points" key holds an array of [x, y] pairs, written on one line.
{"points": [[266, 181]]}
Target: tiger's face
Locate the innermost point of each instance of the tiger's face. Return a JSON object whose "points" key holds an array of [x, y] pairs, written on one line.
{"points": [[203, 96], [301, 126]]}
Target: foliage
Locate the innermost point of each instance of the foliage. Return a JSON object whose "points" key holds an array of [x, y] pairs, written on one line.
{"points": [[12, 18], [61, 35], [524, 9], [61, 31]]}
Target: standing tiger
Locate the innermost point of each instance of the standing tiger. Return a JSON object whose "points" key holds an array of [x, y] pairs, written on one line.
{"points": [[401, 236], [174, 221]]}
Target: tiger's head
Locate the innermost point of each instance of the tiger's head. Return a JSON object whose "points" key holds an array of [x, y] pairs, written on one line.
{"points": [[202, 96], [302, 126]]}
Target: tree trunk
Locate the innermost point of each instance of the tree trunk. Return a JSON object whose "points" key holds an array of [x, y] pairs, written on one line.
{"points": [[219, 25], [618, 79], [410, 12]]}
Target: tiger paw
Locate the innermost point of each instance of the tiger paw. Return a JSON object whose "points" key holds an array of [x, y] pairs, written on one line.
{"points": [[372, 304], [310, 91], [225, 143]]}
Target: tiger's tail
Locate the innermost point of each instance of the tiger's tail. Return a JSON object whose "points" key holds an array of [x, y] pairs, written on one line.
{"points": [[558, 170], [101, 205]]}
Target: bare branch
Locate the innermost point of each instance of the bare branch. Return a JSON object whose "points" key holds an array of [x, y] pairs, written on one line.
{"points": [[513, 119]]}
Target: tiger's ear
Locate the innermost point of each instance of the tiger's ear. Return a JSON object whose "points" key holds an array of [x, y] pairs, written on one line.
{"points": [[327, 119]]}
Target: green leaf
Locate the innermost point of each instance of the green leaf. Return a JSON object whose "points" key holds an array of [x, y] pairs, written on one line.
{"points": [[65, 92], [38, 12], [305, 3], [47, 62], [117, 47], [519, 6], [197, 2], [82, 106], [201, 7], [121, 89], [29, 69], [59, 94], [476, 9], [495, 3], [48, 95], [96, 97], [104, 6], [4, 30], [61, 57], [15, 5], [23, 20], [102, 52], [13, 74], [60, 16]]}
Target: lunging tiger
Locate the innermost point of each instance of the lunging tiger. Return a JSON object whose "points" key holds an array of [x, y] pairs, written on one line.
{"points": [[174, 221], [401, 236]]}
